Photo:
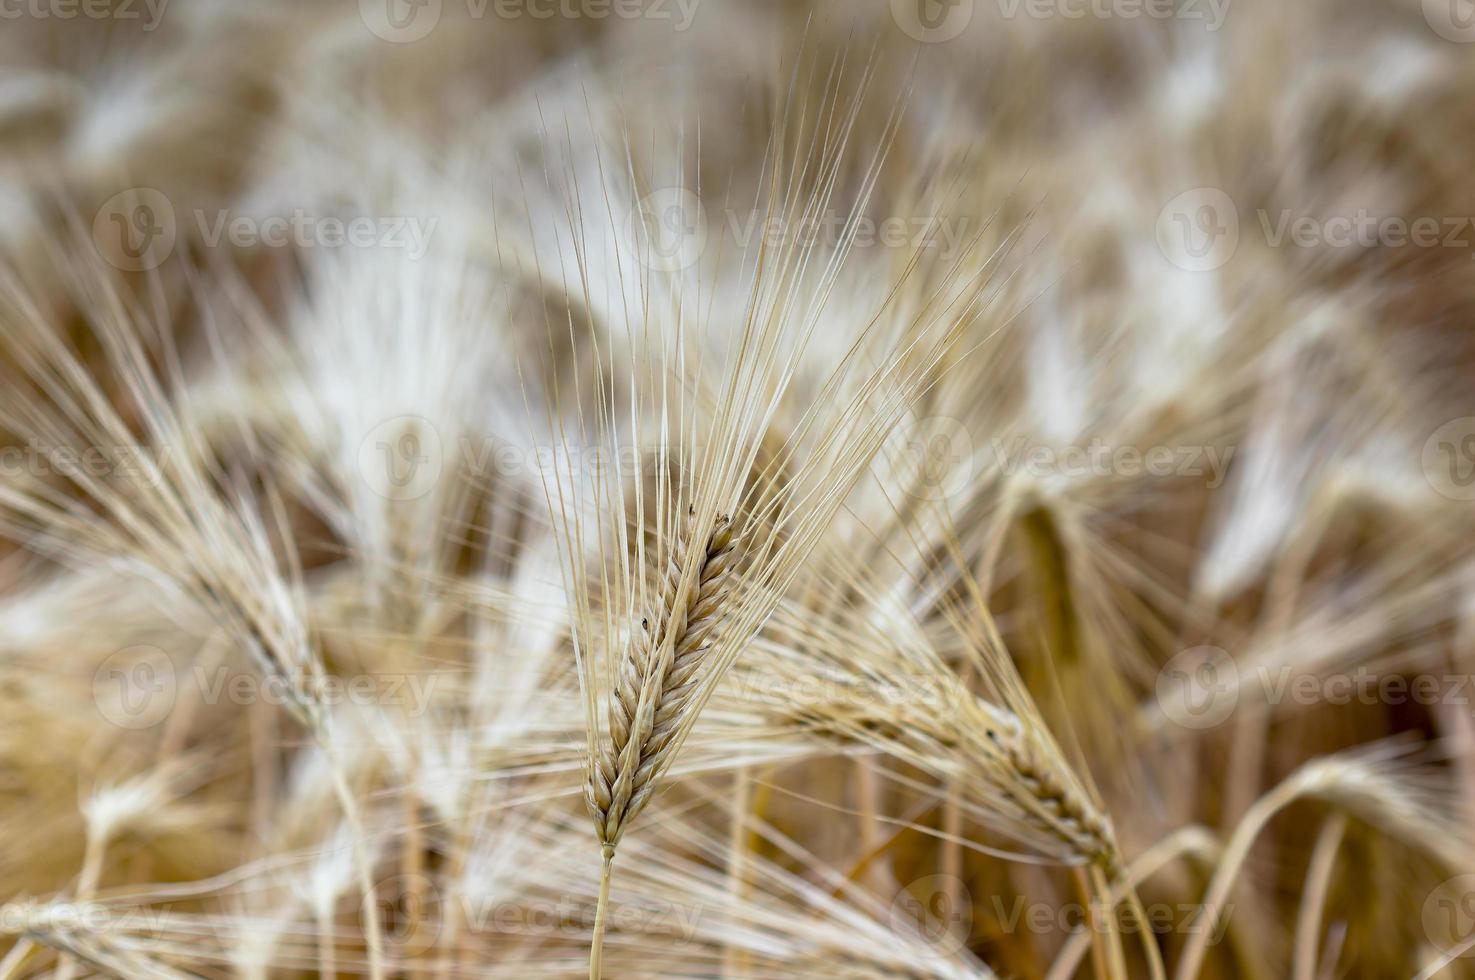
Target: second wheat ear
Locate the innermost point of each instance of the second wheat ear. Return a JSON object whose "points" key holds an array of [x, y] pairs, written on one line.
{"points": [[656, 687]]}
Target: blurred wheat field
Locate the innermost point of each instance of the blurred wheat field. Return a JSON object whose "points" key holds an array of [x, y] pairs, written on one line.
{"points": [[737, 489]]}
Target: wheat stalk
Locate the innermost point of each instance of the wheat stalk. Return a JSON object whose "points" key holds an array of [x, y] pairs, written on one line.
{"points": [[173, 517], [657, 681], [1379, 784]]}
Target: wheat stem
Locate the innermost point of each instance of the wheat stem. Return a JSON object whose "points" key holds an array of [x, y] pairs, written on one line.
{"points": [[327, 945], [1187, 841], [372, 937], [16, 958], [596, 944], [1235, 851], [1313, 897], [732, 954]]}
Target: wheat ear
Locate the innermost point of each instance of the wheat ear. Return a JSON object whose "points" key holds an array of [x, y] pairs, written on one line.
{"points": [[1005, 770], [1061, 810], [658, 679]]}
